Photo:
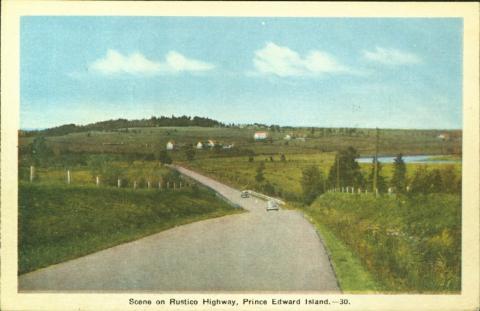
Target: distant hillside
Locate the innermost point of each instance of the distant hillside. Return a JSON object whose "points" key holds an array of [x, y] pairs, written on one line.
{"points": [[123, 123]]}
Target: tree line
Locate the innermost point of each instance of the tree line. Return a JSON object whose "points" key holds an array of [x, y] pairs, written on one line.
{"points": [[346, 172], [117, 124]]}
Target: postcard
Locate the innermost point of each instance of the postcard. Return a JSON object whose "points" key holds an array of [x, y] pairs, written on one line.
{"points": [[239, 156]]}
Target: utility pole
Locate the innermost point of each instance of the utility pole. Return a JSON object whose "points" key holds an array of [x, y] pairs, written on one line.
{"points": [[375, 169], [338, 170]]}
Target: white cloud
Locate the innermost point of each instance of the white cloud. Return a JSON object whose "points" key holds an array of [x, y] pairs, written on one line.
{"points": [[391, 56], [137, 64], [283, 62], [178, 62]]}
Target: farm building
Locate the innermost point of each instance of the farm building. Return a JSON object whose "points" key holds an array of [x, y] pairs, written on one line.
{"points": [[199, 145], [287, 137], [260, 135], [443, 136], [170, 145], [211, 143]]}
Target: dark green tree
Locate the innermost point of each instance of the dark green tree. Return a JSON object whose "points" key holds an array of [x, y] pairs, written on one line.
{"points": [[259, 176], [164, 157], [420, 182], [41, 152], [190, 153], [399, 178], [312, 183], [347, 168]]}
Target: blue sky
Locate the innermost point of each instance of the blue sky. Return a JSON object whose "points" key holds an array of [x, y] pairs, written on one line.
{"points": [[340, 72]]}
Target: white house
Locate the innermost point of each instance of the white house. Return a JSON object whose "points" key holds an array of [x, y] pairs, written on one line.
{"points": [[170, 145], [287, 137], [199, 145], [211, 143], [260, 135], [443, 136]]}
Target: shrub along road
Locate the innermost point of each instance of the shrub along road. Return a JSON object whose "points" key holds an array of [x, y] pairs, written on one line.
{"points": [[258, 250]]}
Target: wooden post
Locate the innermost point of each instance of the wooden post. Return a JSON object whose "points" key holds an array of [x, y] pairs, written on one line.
{"points": [[160, 185], [180, 186], [32, 173], [97, 181], [174, 186], [359, 190], [68, 177], [148, 184], [119, 183], [134, 184]]}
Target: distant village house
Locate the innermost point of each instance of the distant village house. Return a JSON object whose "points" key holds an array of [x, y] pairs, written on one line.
{"points": [[199, 145], [170, 145], [260, 135]]}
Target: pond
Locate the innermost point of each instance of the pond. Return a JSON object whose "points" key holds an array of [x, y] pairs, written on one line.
{"points": [[426, 159]]}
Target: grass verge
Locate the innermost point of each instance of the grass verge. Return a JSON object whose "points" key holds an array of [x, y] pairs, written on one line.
{"points": [[407, 243], [351, 274], [60, 222]]}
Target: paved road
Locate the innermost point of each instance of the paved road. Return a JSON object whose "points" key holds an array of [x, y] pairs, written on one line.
{"points": [[254, 251]]}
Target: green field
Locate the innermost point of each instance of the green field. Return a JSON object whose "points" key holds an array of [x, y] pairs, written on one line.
{"points": [[384, 244], [61, 222], [285, 176], [151, 139], [407, 244], [108, 172]]}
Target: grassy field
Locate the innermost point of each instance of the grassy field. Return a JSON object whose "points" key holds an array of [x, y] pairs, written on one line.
{"points": [[139, 171], [59, 222], [351, 274], [284, 176], [407, 244], [377, 245], [149, 140]]}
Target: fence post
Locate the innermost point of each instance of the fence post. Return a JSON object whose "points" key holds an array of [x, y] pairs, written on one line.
{"points": [[159, 185], [68, 177], [180, 186], [148, 184], [359, 190], [376, 192], [97, 181], [32, 173], [134, 184], [389, 190], [168, 184], [119, 183]]}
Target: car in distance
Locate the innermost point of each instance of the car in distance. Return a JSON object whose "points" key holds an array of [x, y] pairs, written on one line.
{"points": [[244, 194], [272, 206]]}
